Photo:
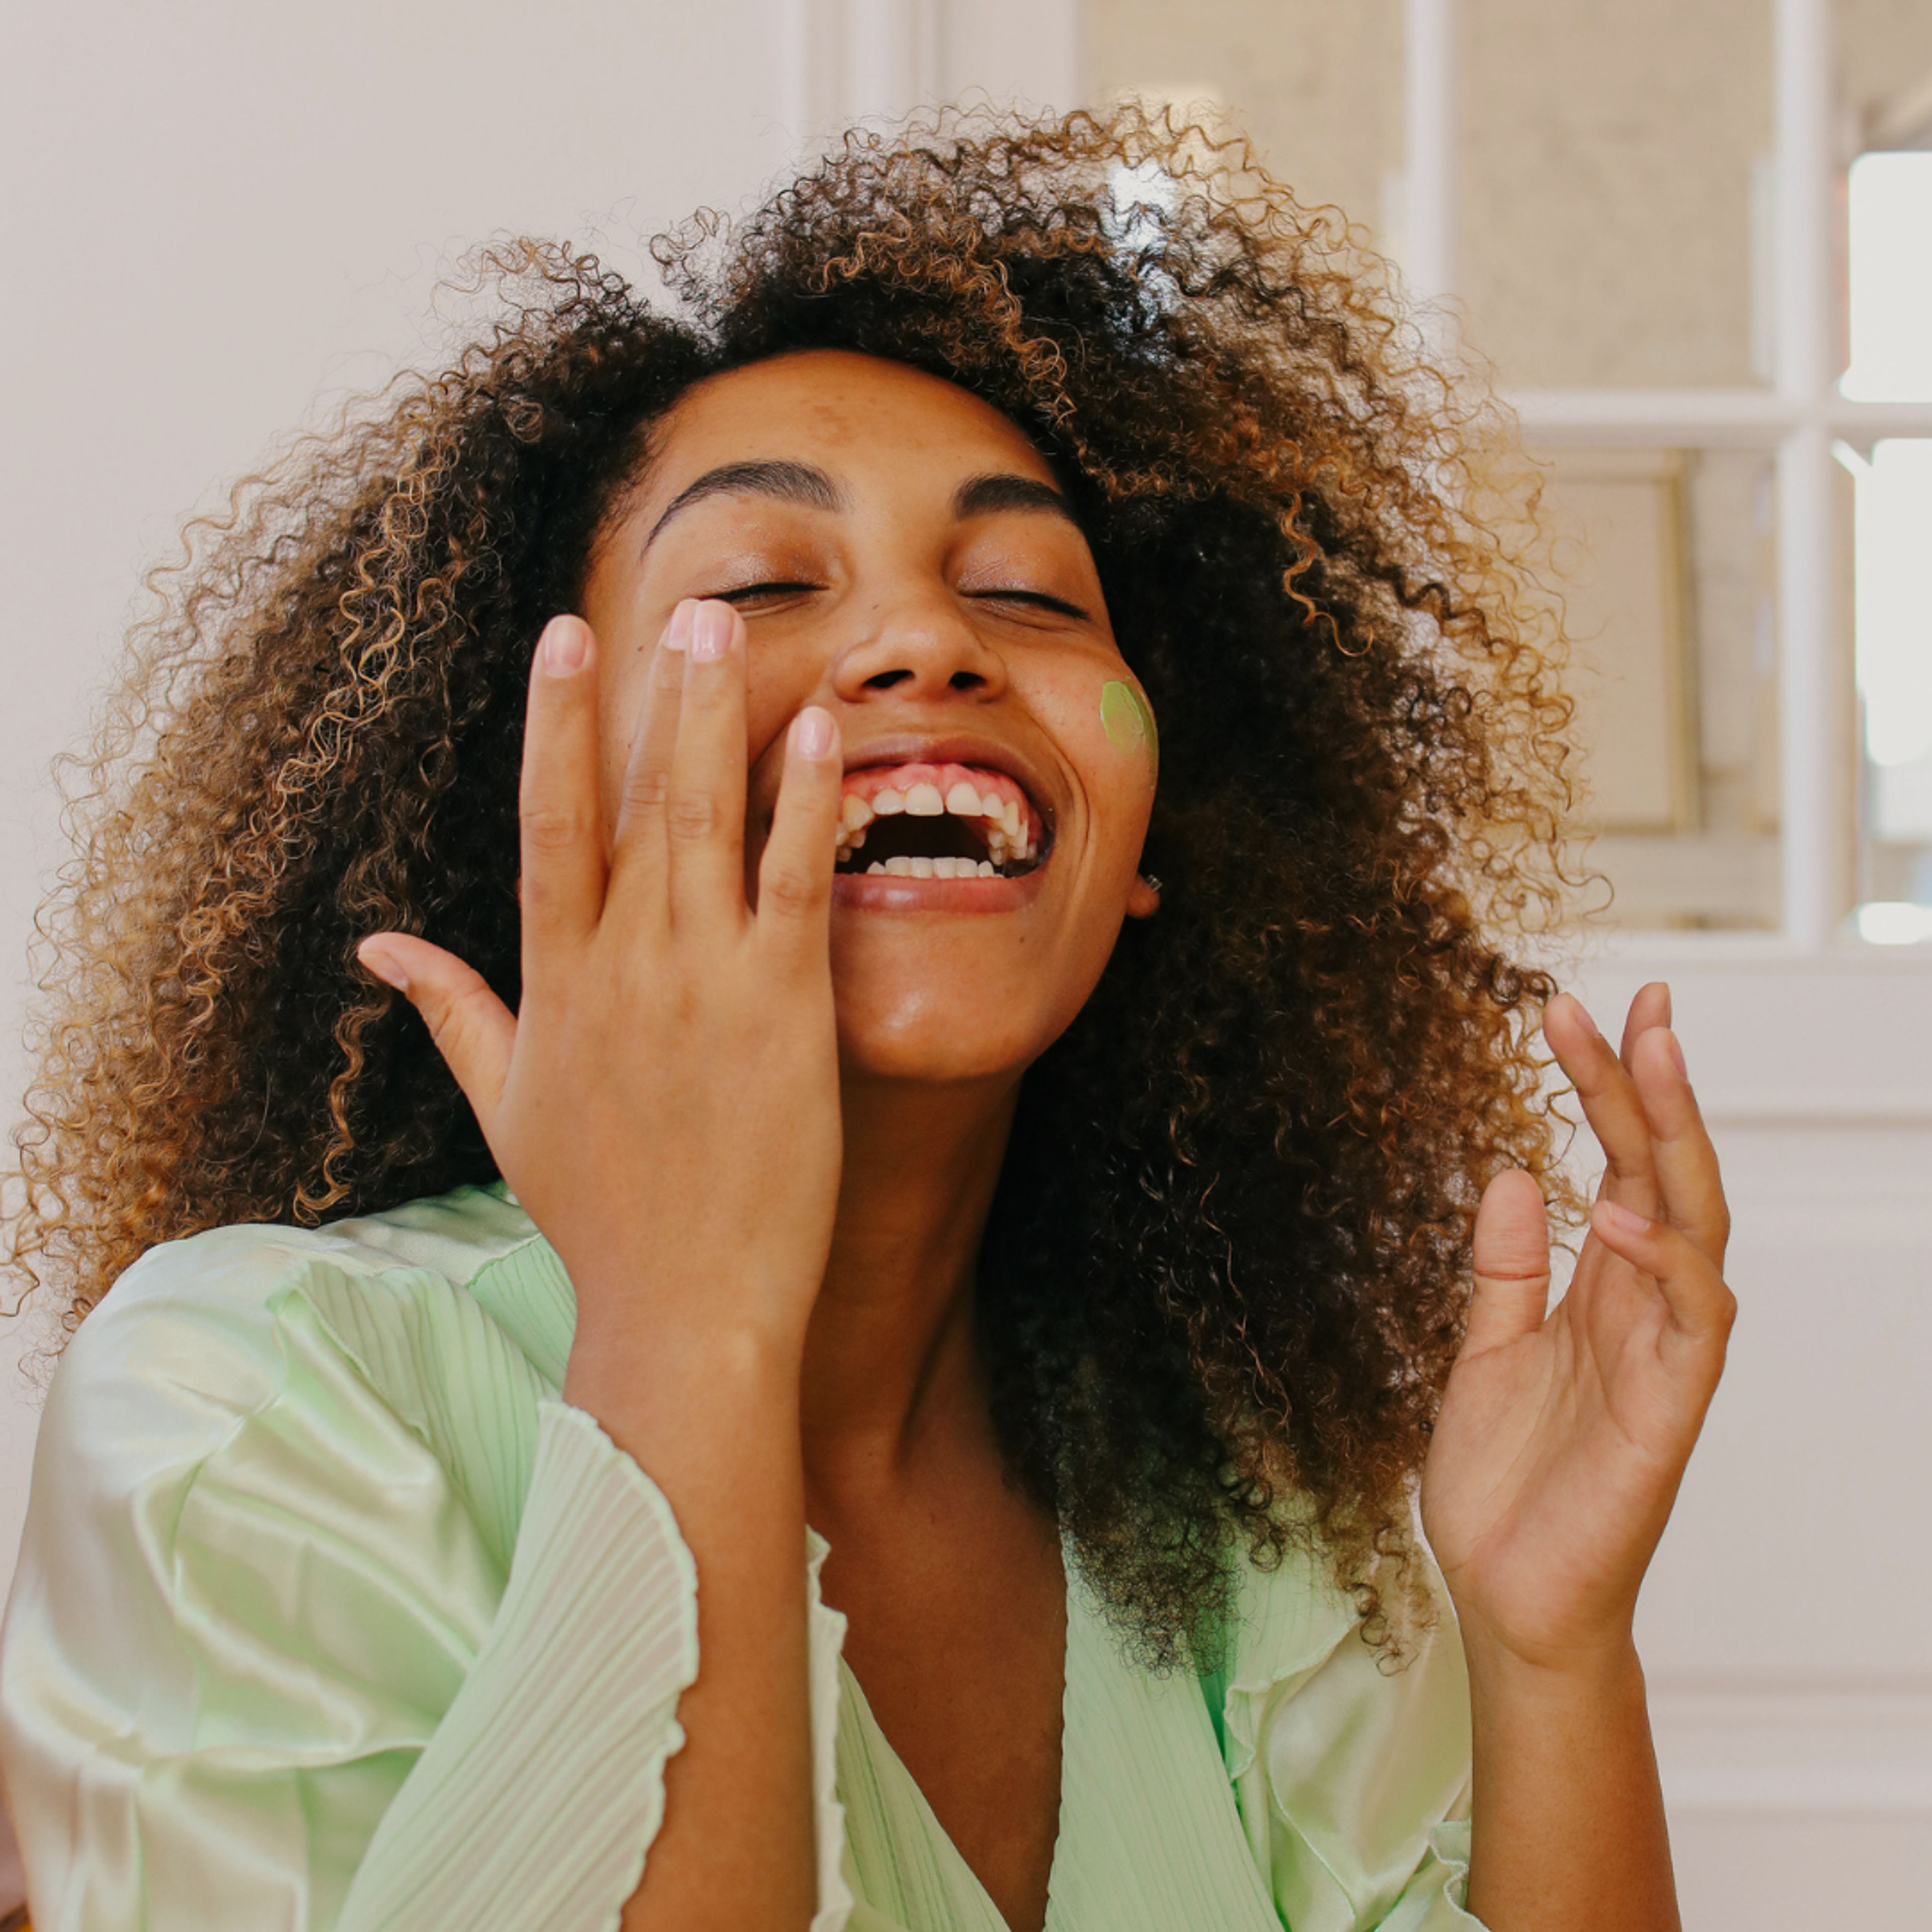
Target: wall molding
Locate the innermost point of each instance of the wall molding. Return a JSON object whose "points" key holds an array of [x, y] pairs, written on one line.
{"points": [[1837, 1041], [1779, 1749]]}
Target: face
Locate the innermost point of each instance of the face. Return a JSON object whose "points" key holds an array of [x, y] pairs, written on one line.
{"points": [[901, 556]]}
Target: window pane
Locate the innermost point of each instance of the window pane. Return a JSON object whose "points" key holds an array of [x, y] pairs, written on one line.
{"points": [[1664, 559], [1889, 210], [1616, 190], [1885, 71], [1894, 673], [1317, 86]]}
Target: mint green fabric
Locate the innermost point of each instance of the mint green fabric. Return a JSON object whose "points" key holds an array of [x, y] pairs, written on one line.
{"points": [[331, 1616]]}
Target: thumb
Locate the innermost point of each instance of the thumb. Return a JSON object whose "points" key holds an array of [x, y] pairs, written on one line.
{"points": [[472, 1029], [1512, 1263]]}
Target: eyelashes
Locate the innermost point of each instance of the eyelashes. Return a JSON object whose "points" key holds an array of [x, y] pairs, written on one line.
{"points": [[1038, 599], [745, 593]]}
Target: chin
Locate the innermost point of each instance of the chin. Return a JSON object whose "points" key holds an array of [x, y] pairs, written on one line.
{"points": [[940, 1041]]}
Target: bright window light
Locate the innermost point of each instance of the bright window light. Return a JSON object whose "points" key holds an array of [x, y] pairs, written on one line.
{"points": [[1894, 532], [1144, 197], [1890, 218], [1895, 923]]}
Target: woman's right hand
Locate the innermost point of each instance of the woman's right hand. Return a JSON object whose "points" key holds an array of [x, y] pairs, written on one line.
{"points": [[665, 1103]]}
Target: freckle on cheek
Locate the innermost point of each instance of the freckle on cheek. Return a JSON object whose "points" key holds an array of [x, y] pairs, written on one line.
{"points": [[1128, 723]]}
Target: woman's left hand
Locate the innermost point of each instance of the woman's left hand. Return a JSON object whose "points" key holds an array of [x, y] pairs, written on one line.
{"points": [[1564, 1434]]}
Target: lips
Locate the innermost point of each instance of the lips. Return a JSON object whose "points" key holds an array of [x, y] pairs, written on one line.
{"points": [[926, 819], [957, 824]]}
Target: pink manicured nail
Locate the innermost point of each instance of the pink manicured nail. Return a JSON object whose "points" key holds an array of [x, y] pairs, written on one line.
{"points": [[1589, 1025], [565, 646], [1627, 1219], [710, 633], [677, 632], [1676, 1054], [811, 732], [377, 959]]}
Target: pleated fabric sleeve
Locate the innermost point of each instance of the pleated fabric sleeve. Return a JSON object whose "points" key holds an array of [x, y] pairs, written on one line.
{"points": [[330, 1617]]}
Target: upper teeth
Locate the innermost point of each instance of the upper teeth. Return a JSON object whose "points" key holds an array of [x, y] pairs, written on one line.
{"points": [[1007, 838]]}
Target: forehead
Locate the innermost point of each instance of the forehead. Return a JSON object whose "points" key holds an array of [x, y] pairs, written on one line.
{"points": [[843, 411]]}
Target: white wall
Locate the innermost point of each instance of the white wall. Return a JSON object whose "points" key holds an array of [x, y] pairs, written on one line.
{"points": [[1784, 1626], [220, 215], [217, 212]]}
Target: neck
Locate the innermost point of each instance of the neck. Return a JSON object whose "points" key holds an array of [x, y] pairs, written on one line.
{"points": [[891, 1363]]}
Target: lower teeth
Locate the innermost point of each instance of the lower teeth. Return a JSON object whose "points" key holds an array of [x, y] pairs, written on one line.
{"points": [[932, 868]]}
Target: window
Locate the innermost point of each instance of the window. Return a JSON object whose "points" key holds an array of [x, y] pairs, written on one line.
{"points": [[1641, 212]]}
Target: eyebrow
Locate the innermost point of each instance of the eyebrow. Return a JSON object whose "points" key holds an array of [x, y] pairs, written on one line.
{"points": [[790, 482], [803, 483], [979, 495]]}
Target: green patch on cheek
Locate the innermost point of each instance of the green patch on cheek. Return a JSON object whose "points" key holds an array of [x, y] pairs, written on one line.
{"points": [[1128, 722]]}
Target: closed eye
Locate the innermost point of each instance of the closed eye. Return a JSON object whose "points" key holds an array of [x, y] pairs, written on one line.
{"points": [[745, 592], [1038, 599]]}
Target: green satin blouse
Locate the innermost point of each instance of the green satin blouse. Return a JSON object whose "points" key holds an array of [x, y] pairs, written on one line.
{"points": [[331, 1614]]}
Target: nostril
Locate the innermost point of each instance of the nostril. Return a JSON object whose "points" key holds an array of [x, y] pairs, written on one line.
{"points": [[965, 680], [884, 680]]}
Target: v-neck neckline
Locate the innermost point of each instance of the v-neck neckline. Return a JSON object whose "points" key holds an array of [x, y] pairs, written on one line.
{"points": [[1149, 1837], [880, 1747]]}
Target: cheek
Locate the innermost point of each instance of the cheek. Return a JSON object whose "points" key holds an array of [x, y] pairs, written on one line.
{"points": [[1120, 757], [1126, 722], [1106, 729]]}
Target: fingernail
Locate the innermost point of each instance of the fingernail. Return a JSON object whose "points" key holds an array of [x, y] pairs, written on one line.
{"points": [[1619, 1216], [564, 644], [378, 960], [1676, 1054], [811, 732], [710, 632], [677, 632], [1590, 1026]]}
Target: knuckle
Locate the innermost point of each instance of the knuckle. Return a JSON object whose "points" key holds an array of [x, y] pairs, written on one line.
{"points": [[789, 888], [455, 1019], [693, 815], [646, 790], [547, 828]]}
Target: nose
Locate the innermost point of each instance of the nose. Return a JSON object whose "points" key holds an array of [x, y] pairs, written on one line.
{"points": [[919, 646]]}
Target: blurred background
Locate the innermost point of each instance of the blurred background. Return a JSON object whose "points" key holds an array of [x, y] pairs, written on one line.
{"points": [[1693, 238]]}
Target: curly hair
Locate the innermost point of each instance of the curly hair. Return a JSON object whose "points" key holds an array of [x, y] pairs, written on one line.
{"points": [[1225, 1273]]}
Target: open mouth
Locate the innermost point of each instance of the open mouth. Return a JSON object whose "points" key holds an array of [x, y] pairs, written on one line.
{"points": [[928, 821]]}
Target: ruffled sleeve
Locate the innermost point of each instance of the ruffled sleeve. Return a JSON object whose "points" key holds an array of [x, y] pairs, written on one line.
{"points": [[542, 1786], [1352, 1776], [329, 1618]]}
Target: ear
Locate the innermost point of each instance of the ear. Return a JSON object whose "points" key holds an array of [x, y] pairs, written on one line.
{"points": [[1143, 897]]}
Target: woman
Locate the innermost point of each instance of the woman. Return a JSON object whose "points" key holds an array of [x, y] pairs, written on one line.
{"points": [[797, 1138]]}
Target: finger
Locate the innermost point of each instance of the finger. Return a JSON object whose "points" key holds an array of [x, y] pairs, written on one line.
{"points": [[1650, 1008], [1512, 1263], [1688, 1180], [704, 811], [1611, 1104], [472, 1029], [638, 850], [1702, 1306], [562, 887], [795, 871]]}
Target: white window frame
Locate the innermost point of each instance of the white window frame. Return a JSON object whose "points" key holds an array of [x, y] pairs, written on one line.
{"points": [[1796, 417]]}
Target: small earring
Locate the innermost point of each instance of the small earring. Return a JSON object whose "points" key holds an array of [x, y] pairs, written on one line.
{"points": [[1152, 883]]}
